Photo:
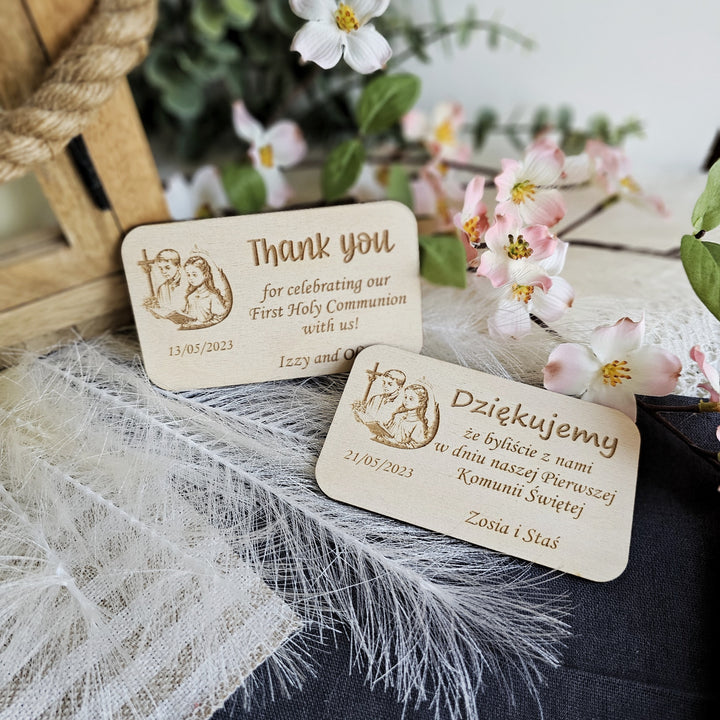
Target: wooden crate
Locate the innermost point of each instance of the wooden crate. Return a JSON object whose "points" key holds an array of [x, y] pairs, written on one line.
{"points": [[69, 283]]}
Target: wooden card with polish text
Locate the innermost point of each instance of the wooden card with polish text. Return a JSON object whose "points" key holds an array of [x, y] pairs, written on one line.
{"points": [[272, 296], [507, 466]]}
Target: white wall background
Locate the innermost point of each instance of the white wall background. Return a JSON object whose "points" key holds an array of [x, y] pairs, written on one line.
{"points": [[657, 61]]}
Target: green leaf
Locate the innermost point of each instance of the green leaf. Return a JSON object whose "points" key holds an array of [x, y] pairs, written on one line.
{"points": [[385, 100], [443, 260], [283, 17], [486, 121], [713, 249], [161, 69], [398, 187], [223, 51], [244, 186], [240, 13], [706, 213], [200, 66], [599, 127], [466, 27], [564, 119], [701, 261], [209, 18], [573, 143], [342, 168], [540, 121], [184, 100]]}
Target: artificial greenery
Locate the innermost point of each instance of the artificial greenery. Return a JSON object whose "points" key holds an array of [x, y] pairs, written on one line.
{"points": [[701, 258], [208, 53]]}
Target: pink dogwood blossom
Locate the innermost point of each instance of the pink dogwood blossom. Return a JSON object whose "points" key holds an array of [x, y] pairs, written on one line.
{"points": [[533, 287], [472, 220], [280, 146], [712, 386], [526, 189], [611, 169], [336, 30], [439, 132], [514, 249], [614, 368], [437, 194]]}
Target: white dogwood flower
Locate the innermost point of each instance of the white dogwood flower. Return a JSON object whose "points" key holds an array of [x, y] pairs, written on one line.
{"points": [[203, 196], [614, 368], [336, 30], [280, 146]]}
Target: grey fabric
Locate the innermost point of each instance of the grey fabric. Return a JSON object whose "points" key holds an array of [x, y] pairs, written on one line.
{"points": [[644, 646]]}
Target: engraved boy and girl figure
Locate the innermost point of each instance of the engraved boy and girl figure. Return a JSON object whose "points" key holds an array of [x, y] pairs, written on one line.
{"points": [[194, 294], [398, 414]]}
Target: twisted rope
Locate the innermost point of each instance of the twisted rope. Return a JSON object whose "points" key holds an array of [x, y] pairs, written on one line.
{"points": [[113, 40]]}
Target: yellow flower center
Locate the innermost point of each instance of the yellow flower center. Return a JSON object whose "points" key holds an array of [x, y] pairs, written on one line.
{"points": [[522, 191], [444, 133], [615, 372], [629, 184], [266, 155], [346, 19], [382, 175], [523, 293], [443, 209], [470, 226], [203, 212], [517, 249]]}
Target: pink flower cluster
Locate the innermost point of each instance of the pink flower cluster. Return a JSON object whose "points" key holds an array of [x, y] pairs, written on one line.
{"points": [[523, 259]]}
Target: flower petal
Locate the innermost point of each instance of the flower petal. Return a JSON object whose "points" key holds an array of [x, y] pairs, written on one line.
{"points": [[367, 187], [424, 198], [577, 169], [208, 189], [471, 253], [505, 181], [246, 126], [277, 189], [708, 388], [414, 125], [654, 371], [179, 198], [554, 264], [543, 162], [615, 342], [547, 207], [314, 9], [366, 50], [541, 240], [618, 397], [511, 319], [552, 305], [707, 369], [494, 268], [473, 205], [570, 369], [320, 43], [497, 235], [287, 142], [367, 9]]}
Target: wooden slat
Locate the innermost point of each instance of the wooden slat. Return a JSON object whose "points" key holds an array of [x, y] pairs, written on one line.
{"points": [[123, 160], [22, 61], [57, 22], [71, 307], [68, 285]]}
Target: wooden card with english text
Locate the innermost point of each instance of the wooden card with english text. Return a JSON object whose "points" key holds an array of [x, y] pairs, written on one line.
{"points": [[273, 296], [508, 466]]}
